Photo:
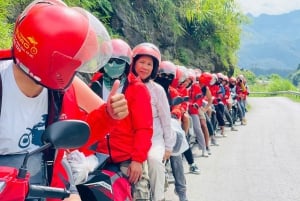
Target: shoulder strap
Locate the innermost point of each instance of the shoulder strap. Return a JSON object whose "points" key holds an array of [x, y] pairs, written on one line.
{"points": [[55, 99]]}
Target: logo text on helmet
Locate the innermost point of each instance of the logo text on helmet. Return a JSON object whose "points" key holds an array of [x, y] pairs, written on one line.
{"points": [[26, 45]]}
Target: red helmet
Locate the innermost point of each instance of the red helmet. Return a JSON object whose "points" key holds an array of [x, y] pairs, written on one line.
{"points": [[167, 67], [148, 49], [166, 71], [191, 75], [184, 70], [52, 41], [121, 50], [232, 79], [120, 59], [197, 73], [180, 76], [207, 79], [240, 78], [220, 76], [226, 78]]}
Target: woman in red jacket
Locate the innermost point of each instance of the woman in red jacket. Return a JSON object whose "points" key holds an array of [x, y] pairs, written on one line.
{"points": [[196, 98], [127, 143], [242, 93]]}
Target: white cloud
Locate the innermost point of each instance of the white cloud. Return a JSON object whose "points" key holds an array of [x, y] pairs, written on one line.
{"points": [[272, 7]]}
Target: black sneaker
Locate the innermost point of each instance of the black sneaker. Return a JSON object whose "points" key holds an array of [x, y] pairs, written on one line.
{"points": [[194, 169]]}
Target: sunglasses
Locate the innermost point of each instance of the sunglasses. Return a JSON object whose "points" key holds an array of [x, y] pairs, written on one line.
{"points": [[166, 76], [117, 61]]}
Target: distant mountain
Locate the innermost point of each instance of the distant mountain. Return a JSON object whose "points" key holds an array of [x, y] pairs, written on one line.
{"points": [[271, 44]]}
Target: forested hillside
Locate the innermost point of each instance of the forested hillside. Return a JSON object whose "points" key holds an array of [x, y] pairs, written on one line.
{"points": [[197, 34]]}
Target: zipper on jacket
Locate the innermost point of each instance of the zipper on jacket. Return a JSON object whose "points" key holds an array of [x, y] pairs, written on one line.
{"points": [[108, 146]]}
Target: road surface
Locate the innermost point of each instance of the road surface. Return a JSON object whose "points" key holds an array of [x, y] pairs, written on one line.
{"points": [[259, 162]]}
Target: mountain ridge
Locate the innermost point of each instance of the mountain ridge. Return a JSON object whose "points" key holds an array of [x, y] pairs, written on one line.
{"points": [[271, 44]]}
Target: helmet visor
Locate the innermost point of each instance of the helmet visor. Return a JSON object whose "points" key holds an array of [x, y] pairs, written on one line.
{"points": [[94, 59]]}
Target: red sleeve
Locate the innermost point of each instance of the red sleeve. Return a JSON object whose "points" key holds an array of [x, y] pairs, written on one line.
{"points": [[176, 109], [184, 105], [100, 123], [214, 92], [194, 91], [227, 92]]}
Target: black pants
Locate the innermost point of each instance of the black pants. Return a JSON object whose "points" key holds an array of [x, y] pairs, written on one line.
{"points": [[220, 114], [189, 156], [228, 116]]}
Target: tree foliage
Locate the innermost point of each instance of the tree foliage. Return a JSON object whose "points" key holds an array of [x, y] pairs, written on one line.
{"points": [[272, 83], [216, 24], [295, 77], [277, 83], [5, 25]]}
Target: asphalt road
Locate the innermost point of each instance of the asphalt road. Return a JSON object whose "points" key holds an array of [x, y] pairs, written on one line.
{"points": [[259, 162]]}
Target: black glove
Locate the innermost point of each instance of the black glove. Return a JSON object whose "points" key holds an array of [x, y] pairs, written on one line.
{"points": [[174, 116]]}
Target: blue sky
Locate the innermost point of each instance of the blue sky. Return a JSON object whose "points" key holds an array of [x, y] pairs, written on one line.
{"points": [[272, 7]]}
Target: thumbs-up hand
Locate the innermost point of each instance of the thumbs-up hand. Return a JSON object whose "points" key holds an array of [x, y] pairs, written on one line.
{"points": [[116, 103]]}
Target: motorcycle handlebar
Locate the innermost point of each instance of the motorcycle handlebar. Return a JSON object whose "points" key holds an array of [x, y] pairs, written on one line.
{"points": [[47, 192]]}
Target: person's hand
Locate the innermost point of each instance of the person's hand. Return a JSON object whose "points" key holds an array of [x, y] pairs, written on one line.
{"points": [[73, 197], [116, 103], [81, 165], [167, 155], [204, 110], [134, 172], [195, 105]]}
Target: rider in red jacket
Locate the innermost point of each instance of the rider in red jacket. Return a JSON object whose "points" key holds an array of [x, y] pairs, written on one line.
{"points": [[129, 141], [131, 138]]}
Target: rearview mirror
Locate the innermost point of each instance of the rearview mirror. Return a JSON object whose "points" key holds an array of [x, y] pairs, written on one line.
{"points": [[67, 134]]}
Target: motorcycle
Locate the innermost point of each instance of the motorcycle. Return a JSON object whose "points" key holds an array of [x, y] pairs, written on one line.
{"points": [[15, 183]]}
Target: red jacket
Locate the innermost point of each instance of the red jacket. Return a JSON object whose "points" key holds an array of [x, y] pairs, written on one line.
{"points": [[196, 98], [131, 137], [70, 110], [175, 109], [225, 98], [215, 92], [241, 91], [183, 92]]}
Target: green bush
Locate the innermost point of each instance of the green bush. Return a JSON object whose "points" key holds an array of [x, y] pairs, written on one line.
{"points": [[277, 83], [183, 55], [272, 83], [5, 26]]}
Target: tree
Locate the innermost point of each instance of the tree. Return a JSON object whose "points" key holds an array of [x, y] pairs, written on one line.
{"points": [[220, 23], [5, 26]]}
